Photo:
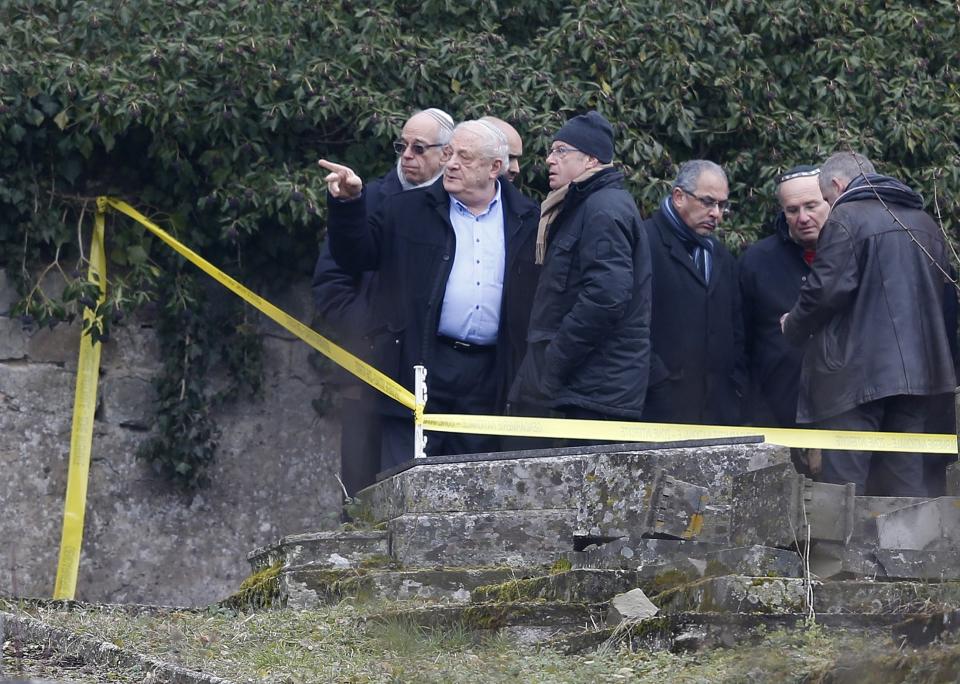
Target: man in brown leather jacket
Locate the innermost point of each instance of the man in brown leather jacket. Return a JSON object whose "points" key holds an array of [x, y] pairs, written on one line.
{"points": [[877, 350]]}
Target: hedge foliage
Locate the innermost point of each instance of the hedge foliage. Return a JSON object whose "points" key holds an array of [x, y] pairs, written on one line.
{"points": [[209, 115]]}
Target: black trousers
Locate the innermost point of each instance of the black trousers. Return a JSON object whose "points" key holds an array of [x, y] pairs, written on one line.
{"points": [[359, 443], [889, 473], [458, 381]]}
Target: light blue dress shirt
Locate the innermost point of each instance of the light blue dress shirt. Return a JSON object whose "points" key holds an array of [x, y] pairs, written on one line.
{"points": [[471, 302]]}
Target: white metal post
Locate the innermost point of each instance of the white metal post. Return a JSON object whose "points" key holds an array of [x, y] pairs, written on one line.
{"points": [[420, 401]]}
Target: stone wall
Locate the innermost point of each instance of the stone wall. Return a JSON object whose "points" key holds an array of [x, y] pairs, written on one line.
{"points": [[144, 541]]}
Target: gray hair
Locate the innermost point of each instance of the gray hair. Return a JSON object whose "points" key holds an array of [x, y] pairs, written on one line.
{"points": [[444, 124], [845, 166], [493, 143], [690, 173]]}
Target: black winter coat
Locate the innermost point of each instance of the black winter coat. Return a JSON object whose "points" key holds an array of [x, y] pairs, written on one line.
{"points": [[771, 273], [871, 312], [411, 244], [589, 336], [697, 368]]}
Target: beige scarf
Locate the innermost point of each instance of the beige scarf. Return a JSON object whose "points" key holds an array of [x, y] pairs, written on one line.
{"points": [[551, 208]]}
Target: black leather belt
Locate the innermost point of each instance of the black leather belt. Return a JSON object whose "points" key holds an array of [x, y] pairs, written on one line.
{"points": [[468, 347]]}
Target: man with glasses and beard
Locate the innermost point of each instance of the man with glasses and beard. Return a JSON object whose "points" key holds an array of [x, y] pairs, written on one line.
{"points": [[343, 300], [697, 372], [456, 264]]}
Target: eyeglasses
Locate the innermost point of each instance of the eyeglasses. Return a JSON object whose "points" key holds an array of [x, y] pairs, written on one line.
{"points": [[561, 151], [418, 148], [709, 202]]}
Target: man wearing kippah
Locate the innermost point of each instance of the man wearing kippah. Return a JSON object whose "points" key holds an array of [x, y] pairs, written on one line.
{"points": [[588, 343], [771, 273]]}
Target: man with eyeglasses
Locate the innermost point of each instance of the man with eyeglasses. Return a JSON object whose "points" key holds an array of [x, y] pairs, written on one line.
{"points": [[771, 273], [697, 372], [514, 146], [588, 343], [344, 300], [456, 262], [871, 318]]}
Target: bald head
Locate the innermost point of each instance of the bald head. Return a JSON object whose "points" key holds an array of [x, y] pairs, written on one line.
{"points": [[514, 146]]}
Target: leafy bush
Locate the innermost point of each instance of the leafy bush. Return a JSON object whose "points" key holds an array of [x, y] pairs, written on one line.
{"points": [[210, 115]]}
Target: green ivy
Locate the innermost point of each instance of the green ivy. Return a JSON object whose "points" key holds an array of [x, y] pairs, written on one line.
{"points": [[210, 116]]}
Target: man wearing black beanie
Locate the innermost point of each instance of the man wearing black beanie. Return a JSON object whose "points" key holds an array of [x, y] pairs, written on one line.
{"points": [[588, 344]]}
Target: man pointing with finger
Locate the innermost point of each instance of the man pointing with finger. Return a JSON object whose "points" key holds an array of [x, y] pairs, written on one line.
{"points": [[456, 260]]}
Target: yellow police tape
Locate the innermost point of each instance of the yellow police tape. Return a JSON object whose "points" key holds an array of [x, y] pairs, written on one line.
{"points": [[338, 355], [619, 431], [81, 434]]}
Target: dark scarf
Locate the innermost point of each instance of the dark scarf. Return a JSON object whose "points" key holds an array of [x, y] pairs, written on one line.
{"points": [[699, 247], [874, 186]]}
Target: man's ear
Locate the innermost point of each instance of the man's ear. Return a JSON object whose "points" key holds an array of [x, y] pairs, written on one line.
{"points": [[838, 185], [497, 168]]}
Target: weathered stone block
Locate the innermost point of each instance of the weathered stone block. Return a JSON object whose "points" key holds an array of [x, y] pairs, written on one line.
{"points": [[587, 586], [616, 484], [633, 554], [516, 538], [127, 401], [892, 598], [310, 587], [935, 564], [338, 550], [756, 561], [836, 560], [736, 594], [476, 486]]}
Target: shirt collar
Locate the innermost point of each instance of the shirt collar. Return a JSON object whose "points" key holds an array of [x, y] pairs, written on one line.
{"points": [[462, 208]]}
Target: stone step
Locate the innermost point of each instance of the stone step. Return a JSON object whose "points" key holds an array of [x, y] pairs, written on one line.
{"points": [[513, 538], [560, 478], [335, 550], [523, 622], [584, 586], [309, 588], [492, 484], [632, 554], [691, 632], [775, 595]]}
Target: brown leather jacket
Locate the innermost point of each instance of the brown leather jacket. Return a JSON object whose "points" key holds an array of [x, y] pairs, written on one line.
{"points": [[871, 313]]}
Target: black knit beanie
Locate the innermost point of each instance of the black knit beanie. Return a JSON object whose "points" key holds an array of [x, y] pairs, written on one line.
{"points": [[591, 134]]}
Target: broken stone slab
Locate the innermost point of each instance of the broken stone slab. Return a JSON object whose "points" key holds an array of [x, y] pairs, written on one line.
{"points": [[928, 524], [776, 506], [633, 554], [501, 484], [674, 508], [757, 561], [835, 561], [631, 606], [513, 538], [617, 485], [310, 588], [335, 550], [585, 586]]}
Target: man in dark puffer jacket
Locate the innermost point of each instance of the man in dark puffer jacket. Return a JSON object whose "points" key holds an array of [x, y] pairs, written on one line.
{"points": [[588, 344], [871, 315]]}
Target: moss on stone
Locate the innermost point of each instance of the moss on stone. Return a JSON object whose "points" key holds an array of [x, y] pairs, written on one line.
{"points": [[560, 565], [514, 590], [258, 591]]}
